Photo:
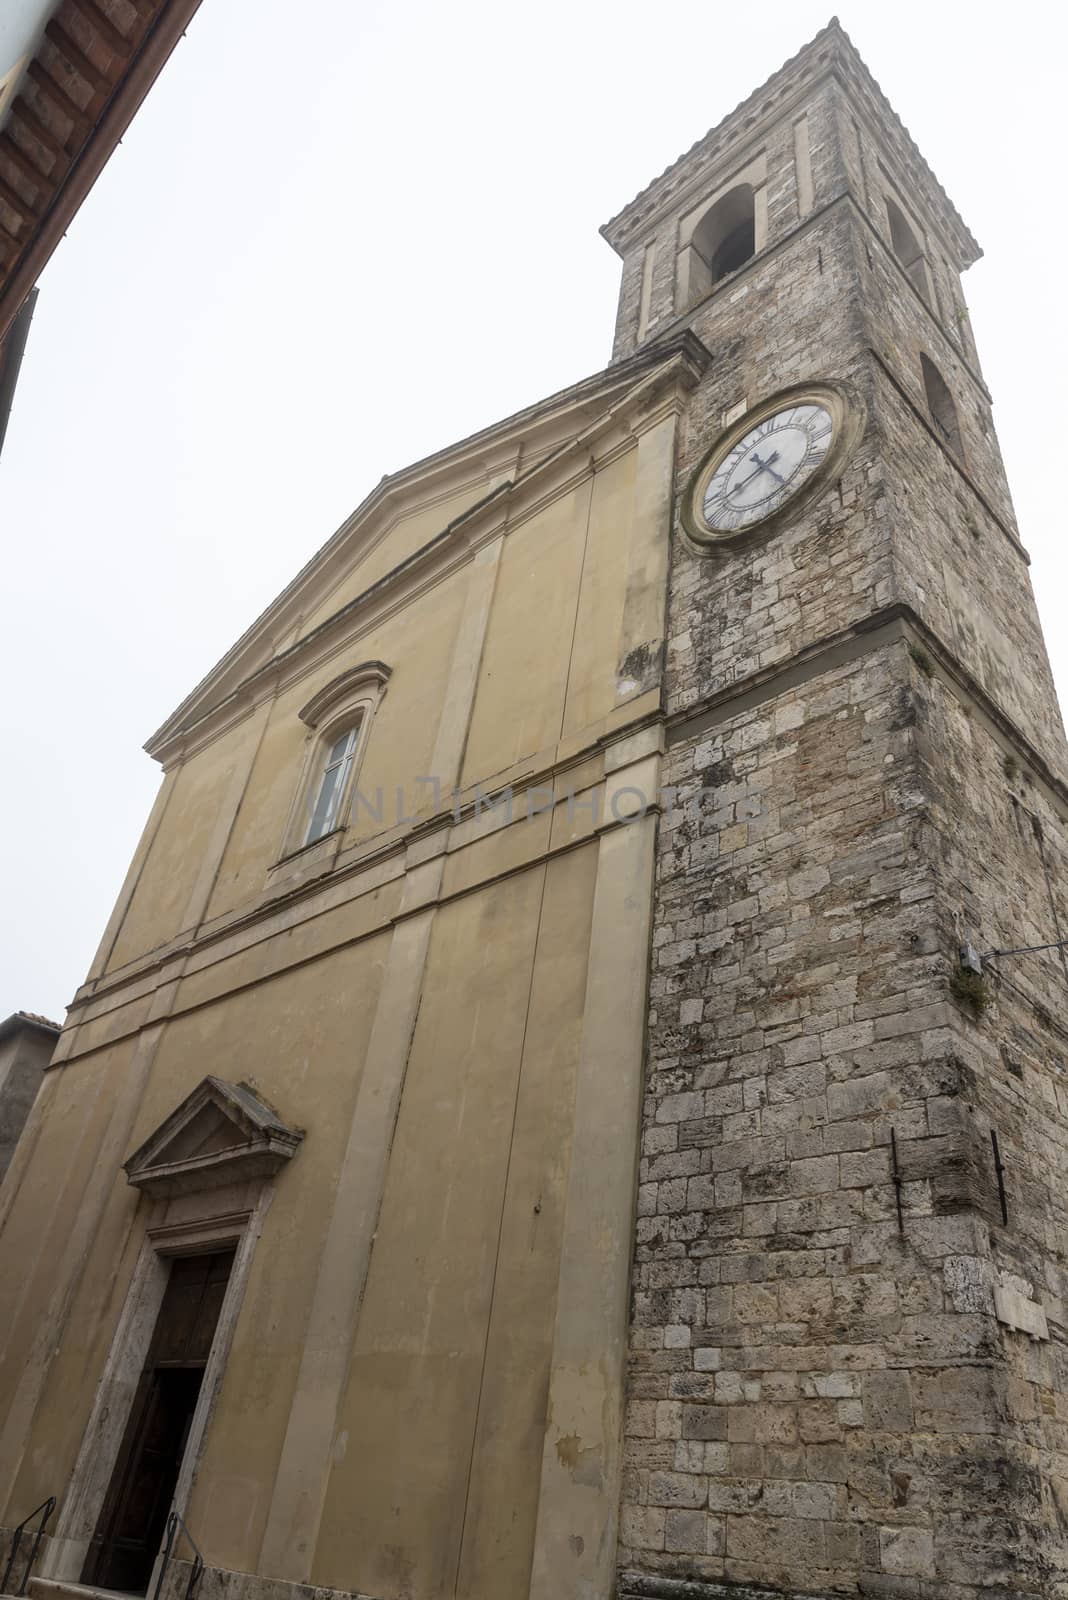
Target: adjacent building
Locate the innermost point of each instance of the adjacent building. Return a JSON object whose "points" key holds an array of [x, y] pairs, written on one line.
{"points": [[26, 1045], [547, 1119], [72, 75]]}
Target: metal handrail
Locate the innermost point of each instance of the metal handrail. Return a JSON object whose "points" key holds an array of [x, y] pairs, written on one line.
{"points": [[47, 1506], [174, 1522]]}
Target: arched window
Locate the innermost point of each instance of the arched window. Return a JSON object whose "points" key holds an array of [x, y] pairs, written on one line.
{"points": [[907, 248], [725, 237], [940, 405], [339, 717], [332, 780]]}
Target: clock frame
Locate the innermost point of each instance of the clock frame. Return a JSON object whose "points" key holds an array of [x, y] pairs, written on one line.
{"points": [[847, 420]]}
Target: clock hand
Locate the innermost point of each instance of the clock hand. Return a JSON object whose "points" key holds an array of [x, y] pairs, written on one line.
{"points": [[745, 481], [762, 466]]}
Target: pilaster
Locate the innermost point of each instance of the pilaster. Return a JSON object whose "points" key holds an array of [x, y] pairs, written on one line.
{"points": [[288, 1547], [574, 1550]]}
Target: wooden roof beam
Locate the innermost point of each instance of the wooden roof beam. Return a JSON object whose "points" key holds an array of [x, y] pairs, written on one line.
{"points": [[116, 42], [40, 130], [59, 97], [98, 81], [14, 200], [13, 152]]}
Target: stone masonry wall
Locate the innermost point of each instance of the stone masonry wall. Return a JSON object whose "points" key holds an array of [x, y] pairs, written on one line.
{"points": [[761, 1299], [957, 568], [998, 843], [820, 1400], [871, 177], [729, 615], [848, 1367], [711, 170], [899, 326]]}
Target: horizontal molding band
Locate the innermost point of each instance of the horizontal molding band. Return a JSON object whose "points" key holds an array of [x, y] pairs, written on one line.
{"points": [[893, 625], [653, 1586], [835, 650], [897, 624], [179, 961], [845, 198], [386, 851]]}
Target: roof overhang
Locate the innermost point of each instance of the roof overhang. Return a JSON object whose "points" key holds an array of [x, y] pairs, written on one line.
{"points": [[76, 98], [28, 1022]]}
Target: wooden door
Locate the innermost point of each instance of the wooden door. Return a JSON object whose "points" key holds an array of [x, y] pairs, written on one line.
{"points": [[130, 1529]]}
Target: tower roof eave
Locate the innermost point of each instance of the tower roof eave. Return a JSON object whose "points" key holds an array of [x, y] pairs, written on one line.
{"points": [[830, 48]]}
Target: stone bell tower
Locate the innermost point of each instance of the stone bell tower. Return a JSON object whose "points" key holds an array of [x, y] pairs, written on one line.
{"points": [[848, 1365]]}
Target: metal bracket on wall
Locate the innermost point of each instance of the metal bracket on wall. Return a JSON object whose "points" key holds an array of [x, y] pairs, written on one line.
{"points": [[973, 961], [999, 1169], [896, 1172]]}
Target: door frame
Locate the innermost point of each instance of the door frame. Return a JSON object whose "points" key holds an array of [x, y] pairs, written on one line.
{"points": [[102, 1440]]}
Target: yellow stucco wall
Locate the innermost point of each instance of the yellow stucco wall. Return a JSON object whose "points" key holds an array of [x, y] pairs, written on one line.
{"points": [[551, 658], [300, 1039], [442, 1415], [441, 1422], [48, 1195], [594, 660], [160, 903], [416, 644], [404, 532], [440, 962], [549, 670]]}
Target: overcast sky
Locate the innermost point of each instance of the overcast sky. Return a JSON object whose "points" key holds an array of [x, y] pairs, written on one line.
{"points": [[340, 235]]}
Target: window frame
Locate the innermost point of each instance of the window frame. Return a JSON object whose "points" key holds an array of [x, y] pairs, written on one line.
{"points": [[940, 403], [348, 739], [690, 266], [345, 705], [918, 268], [739, 203]]}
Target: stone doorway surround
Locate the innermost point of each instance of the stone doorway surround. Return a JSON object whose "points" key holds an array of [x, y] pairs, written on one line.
{"points": [[207, 1173]]}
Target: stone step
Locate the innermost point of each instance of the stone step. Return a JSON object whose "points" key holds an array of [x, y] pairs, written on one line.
{"points": [[64, 1589]]}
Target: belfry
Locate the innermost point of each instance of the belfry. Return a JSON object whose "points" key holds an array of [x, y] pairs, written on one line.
{"points": [[549, 1117]]}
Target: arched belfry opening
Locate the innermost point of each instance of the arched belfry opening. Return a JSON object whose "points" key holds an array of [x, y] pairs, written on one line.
{"points": [[907, 247], [723, 240], [725, 237], [941, 407]]}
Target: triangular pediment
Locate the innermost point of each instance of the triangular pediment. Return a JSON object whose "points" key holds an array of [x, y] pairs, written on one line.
{"points": [[222, 1133], [469, 486]]}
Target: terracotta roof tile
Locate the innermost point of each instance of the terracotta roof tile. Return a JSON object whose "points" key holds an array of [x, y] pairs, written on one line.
{"points": [[32, 1019]]}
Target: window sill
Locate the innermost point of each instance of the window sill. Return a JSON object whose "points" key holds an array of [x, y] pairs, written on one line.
{"points": [[306, 862]]}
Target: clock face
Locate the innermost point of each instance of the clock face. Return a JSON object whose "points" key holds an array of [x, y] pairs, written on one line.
{"points": [[766, 467]]}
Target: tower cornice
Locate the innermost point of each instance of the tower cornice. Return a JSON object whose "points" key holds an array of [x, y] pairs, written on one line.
{"points": [[830, 53]]}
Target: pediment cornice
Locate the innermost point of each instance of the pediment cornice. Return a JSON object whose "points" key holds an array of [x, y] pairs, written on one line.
{"points": [[222, 1133], [630, 394], [369, 674]]}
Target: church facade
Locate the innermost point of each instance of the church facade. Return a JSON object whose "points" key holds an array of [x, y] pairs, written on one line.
{"points": [[548, 1118]]}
